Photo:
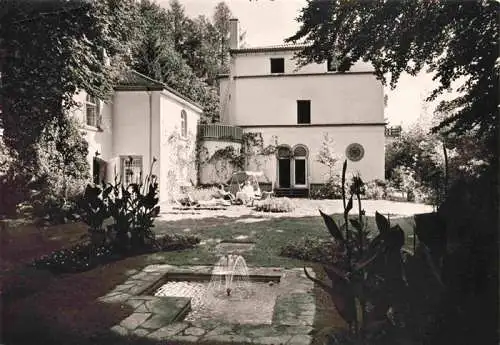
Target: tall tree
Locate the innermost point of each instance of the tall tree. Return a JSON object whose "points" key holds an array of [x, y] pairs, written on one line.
{"points": [[457, 40], [180, 59], [221, 17]]}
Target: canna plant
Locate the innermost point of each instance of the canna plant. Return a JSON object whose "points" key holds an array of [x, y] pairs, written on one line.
{"points": [[122, 215], [368, 279]]}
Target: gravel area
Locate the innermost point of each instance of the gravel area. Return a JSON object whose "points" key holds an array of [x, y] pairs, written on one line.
{"points": [[303, 208]]}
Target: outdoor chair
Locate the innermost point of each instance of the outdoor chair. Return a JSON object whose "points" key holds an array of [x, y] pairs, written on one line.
{"points": [[270, 194]]}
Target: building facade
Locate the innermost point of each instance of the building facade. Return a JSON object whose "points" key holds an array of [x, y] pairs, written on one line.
{"points": [[302, 109], [143, 121]]}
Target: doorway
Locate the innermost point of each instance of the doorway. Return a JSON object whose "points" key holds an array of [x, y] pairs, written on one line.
{"points": [[284, 167], [284, 172], [300, 172]]}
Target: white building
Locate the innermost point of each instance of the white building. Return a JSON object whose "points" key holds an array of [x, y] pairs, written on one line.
{"points": [[143, 120], [295, 107]]}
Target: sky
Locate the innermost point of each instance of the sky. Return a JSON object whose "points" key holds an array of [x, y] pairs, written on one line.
{"points": [[269, 22]]}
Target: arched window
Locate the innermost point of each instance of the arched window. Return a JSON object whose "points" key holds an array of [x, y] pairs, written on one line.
{"points": [[300, 151], [284, 152], [183, 123], [300, 172]]}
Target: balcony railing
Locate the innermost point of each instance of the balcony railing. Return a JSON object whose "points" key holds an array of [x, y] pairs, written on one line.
{"points": [[218, 131], [393, 132]]}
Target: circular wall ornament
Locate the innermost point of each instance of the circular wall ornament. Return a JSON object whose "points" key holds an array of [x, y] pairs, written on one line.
{"points": [[355, 152]]}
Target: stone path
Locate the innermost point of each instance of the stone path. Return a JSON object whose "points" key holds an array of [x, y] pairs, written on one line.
{"points": [[303, 208], [161, 318]]}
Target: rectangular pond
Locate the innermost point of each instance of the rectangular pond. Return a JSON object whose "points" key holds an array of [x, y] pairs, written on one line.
{"points": [[249, 302]]}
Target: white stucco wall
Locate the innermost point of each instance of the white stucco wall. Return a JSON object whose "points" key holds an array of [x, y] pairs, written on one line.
{"points": [[259, 63], [335, 98], [131, 127], [99, 140], [371, 166], [177, 155], [140, 123]]}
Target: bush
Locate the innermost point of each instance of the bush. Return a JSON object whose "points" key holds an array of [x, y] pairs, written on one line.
{"points": [[332, 189], [121, 215], [170, 242], [85, 256], [62, 207], [312, 249], [79, 258], [13, 191], [375, 190], [275, 205]]}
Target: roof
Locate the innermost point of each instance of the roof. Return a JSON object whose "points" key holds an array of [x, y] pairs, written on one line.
{"points": [[263, 49], [132, 80]]}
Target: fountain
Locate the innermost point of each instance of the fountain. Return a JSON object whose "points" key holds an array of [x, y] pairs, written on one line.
{"points": [[230, 271], [230, 294]]}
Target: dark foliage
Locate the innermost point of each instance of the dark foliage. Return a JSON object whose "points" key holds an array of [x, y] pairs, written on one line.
{"points": [[86, 256], [122, 215], [312, 249]]}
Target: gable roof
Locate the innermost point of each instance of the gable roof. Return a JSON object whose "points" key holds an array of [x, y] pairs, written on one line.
{"points": [[131, 80], [264, 49]]}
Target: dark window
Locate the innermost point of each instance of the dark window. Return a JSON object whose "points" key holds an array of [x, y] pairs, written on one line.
{"points": [[332, 64], [278, 65], [99, 170], [303, 112]]}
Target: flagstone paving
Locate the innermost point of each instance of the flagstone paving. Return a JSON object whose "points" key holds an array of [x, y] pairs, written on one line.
{"points": [[161, 318]]}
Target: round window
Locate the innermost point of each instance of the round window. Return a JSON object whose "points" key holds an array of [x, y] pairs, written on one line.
{"points": [[355, 152]]}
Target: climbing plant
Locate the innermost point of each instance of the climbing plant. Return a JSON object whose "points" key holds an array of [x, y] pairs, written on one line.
{"points": [[228, 159], [181, 161]]}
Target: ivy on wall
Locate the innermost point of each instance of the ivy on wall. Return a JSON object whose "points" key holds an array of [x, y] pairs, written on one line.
{"points": [[228, 159]]}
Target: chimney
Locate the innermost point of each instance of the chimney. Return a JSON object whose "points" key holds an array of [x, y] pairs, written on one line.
{"points": [[234, 33]]}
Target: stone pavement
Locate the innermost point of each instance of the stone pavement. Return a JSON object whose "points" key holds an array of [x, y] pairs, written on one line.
{"points": [[161, 318]]}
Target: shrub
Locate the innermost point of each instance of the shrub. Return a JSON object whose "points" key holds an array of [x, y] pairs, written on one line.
{"points": [[312, 249], [375, 190], [129, 212], [79, 258], [170, 242], [275, 205], [59, 208], [332, 189], [13, 191], [85, 256]]}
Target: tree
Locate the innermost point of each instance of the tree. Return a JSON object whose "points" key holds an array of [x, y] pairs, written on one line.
{"points": [[54, 48], [457, 40], [327, 156], [175, 50], [221, 17]]}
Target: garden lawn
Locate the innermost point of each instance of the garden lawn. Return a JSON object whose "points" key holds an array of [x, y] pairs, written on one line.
{"points": [[268, 234], [41, 308]]}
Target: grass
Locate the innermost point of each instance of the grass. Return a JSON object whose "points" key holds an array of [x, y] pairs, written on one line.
{"points": [[269, 236], [41, 308]]}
